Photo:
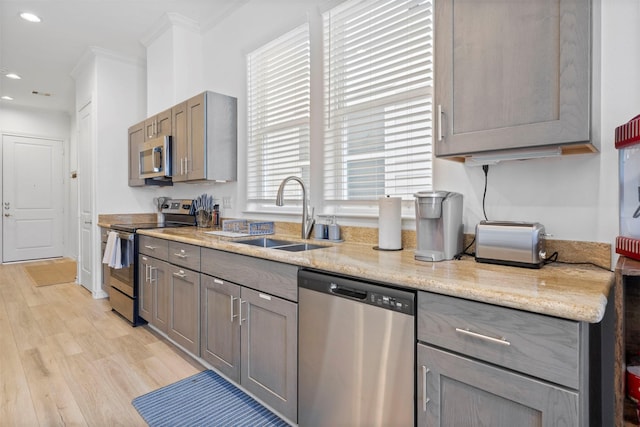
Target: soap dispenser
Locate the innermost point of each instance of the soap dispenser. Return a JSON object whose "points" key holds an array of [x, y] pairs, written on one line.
{"points": [[334, 229]]}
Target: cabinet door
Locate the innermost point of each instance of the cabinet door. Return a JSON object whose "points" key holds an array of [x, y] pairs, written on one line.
{"points": [[196, 131], [184, 311], [136, 137], [153, 291], [158, 276], [163, 123], [145, 288], [511, 74], [270, 350], [460, 392], [220, 328], [179, 142], [158, 125]]}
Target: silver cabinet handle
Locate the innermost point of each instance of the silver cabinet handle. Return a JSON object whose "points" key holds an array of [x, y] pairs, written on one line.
{"points": [[240, 313], [439, 113], [152, 248], [425, 399], [501, 340], [151, 278], [232, 299], [180, 274], [181, 254]]}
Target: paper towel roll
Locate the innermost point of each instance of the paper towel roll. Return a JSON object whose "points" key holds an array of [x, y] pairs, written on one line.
{"points": [[390, 223]]}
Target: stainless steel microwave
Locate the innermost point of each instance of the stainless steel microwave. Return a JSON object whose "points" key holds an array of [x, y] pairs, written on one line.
{"points": [[155, 158]]}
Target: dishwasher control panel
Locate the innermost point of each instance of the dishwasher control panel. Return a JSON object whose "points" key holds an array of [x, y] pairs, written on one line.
{"points": [[392, 302], [378, 295]]}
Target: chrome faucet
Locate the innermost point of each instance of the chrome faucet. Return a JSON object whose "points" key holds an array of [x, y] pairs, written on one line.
{"points": [[307, 221]]}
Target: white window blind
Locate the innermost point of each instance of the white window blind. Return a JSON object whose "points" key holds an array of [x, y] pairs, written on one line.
{"points": [[378, 99], [278, 116]]}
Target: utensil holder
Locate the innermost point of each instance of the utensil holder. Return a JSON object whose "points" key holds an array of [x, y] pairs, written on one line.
{"points": [[203, 218]]}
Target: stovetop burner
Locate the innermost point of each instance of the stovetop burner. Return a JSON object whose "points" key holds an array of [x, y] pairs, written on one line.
{"points": [[177, 213], [147, 225]]}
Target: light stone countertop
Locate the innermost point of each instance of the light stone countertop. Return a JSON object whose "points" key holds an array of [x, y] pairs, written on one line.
{"points": [[576, 292]]}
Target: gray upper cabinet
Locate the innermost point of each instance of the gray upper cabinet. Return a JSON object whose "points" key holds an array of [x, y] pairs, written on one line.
{"points": [[511, 75], [158, 125], [205, 138], [136, 137]]}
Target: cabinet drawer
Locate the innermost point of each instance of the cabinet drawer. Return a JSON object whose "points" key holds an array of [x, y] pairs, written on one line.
{"points": [[184, 255], [273, 277], [543, 346], [152, 246]]}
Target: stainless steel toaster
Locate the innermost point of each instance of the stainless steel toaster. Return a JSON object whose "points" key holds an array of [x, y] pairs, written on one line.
{"points": [[521, 244]]}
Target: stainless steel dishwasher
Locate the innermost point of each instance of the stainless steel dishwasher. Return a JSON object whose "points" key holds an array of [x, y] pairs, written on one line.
{"points": [[356, 353]]}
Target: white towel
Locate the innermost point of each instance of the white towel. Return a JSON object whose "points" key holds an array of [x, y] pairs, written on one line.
{"points": [[112, 252]]}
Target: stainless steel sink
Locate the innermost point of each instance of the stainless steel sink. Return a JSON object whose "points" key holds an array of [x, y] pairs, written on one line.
{"points": [[300, 247], [285, 245], [266, 242]]}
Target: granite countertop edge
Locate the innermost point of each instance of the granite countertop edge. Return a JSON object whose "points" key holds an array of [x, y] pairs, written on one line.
{"points": [[573, 292]]}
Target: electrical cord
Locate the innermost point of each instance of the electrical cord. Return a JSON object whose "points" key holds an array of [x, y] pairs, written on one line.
{"points": [[553, 258], [459, 255], [485, 168]]}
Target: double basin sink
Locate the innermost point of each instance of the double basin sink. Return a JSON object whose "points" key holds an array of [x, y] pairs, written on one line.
{"points": [[284, 245]]}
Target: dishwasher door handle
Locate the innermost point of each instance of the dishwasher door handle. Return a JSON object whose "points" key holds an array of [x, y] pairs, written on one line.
{"points": [[348, 292]]}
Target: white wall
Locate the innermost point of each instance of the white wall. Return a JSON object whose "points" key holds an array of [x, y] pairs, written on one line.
{"points": [[575, 197]]}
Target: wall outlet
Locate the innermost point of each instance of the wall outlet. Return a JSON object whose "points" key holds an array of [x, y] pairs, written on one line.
{"points": [[226, 202]]}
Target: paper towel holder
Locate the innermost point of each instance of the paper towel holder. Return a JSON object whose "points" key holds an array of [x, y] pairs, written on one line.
{"points": [[396, 216]]}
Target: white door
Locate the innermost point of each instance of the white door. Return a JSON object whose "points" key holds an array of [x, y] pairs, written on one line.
{"points": [[32, 193], [85, 198]]}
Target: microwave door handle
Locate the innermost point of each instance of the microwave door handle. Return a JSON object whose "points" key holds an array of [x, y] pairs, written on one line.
{"points": [[157, 154]]}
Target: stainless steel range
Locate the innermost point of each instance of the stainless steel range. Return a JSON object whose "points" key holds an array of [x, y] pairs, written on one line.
{"points": [[123, 293]]}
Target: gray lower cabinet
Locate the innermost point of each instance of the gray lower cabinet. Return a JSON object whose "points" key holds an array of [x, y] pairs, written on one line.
{"points": [[252, 338], [153, 291], [480, 365], [457, 391], [220, 325], [249, 327], [184, 309], [270, 350]]}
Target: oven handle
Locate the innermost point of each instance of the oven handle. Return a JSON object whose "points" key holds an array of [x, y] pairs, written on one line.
{"points": [[125, 236]]}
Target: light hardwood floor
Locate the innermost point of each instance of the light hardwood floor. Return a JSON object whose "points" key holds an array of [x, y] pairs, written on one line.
{"points": [[67, 359]]}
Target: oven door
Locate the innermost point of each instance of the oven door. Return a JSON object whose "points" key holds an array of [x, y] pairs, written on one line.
{"points": [[123, 278], [155, 158]]}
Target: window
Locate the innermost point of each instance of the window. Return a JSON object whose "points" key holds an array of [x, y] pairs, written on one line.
{"points": [[377, 100], [278, 116]]}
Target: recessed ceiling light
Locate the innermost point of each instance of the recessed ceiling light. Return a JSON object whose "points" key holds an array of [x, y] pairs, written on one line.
{"points": [[13, 76], [6, 98], [27, 16]]}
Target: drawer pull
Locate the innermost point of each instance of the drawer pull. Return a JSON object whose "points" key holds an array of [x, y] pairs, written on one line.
{"points": [[180, 274], [181, 255], [151, 248], [502, 340]]}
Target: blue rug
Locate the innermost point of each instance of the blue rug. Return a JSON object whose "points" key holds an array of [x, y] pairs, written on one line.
{"points": [[204, 399]]}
